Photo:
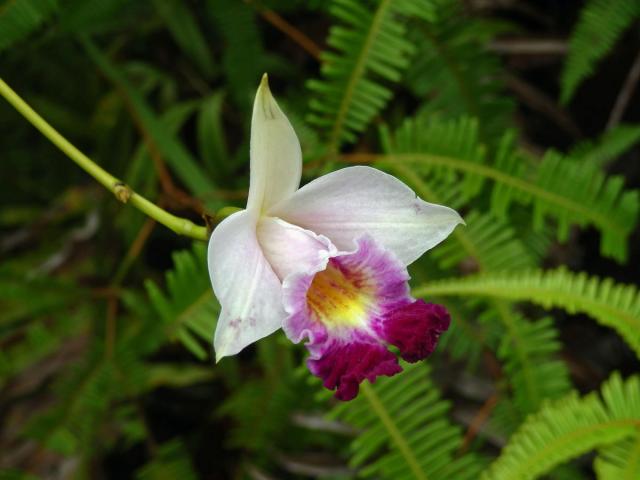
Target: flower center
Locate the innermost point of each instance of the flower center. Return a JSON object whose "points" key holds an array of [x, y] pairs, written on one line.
{"points": [[339, 298]]}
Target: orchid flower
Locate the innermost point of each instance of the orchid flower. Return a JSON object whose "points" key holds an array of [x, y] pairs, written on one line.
{"points": [[326, 262]]}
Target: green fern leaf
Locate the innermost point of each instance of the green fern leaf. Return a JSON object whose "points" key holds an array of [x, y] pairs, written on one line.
{"points": [[84, 396], [20, 18], [492, 244], [175, 153], [486, 242], [600, 25], [189, 309], [171, 461], [444, 149], [529, 351], [613, 305], [569, 427], [454, 70], [619, 461], [237, 24], [185, 30], [466, 338], [608, 147], [406, 433], [12, 474], [369, 45], [212, 141]]}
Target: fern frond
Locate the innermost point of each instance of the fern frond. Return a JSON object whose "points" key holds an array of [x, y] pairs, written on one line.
{"points": [[528, 350], [28, 299], [369, 45], [444, 149], [38, 340], [85, 395], [189, 309], [569, 427], [212, 141], [171, 460], [260, 409], [237, 25], [174, 151], [491, 241], [613, 305], [608, 147], [20, 18], [454, 70], [465, 338], [405, 431], [185, 30], [619, 461], [12, 474], [600, 25]]}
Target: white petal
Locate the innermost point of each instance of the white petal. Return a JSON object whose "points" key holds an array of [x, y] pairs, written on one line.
{"points": [[348, 203], [291, 249], [276, 159], [249, 291]]}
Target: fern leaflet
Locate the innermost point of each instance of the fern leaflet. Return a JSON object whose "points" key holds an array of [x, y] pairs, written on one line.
{"points": [[171, 461], [189, 309], [608, 147], [600, 25], [569, 427], [454, 70], [619, 461], [613, 305], [528, 350], [405, 415], [441, 149], [369, 43], [19, 18]]}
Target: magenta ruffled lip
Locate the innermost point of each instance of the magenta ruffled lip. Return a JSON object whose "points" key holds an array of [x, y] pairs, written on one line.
{"points": [[415, 329], [343, 367], [345, 357]]}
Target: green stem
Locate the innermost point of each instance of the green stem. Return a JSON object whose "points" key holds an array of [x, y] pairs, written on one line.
{"points": [[181, 226]]}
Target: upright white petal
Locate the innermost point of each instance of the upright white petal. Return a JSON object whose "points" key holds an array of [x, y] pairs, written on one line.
{"points": [[291, 249], [348, 203], [247, 288], [276, 159]]}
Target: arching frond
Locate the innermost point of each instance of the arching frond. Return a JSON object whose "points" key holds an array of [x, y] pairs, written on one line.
{"points": [[243, 57], [185, 30], [36, 341], [405, 431], [486, 242], [619, 461], [69, 426], [444, 150], [188, 309], [465, 339], [455, 72], [171, 460], [174, 152], [600, 25], [369, 46], [493, 242], [569, 427], [529, 351], [608, 147], [20, 18], [613, 305]]}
